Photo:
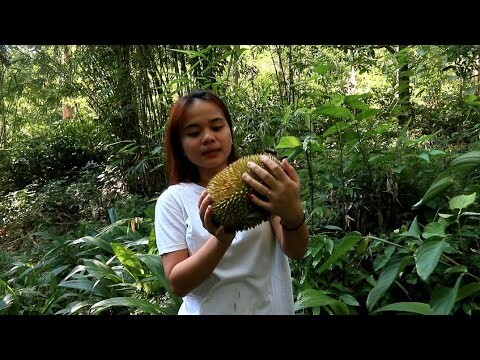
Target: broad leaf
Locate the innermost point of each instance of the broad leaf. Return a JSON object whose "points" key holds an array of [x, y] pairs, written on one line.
{"points": [[413, 307], [434, 229], [443, 298], [427, 256], [386, 278], [462, 201], [348, 242], [287, 142]]}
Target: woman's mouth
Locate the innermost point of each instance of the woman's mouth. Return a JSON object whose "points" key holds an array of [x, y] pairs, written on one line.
{"points": [[211, 153]]}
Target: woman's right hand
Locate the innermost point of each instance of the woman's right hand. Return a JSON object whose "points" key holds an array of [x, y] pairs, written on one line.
{"points": [[206, 210]]}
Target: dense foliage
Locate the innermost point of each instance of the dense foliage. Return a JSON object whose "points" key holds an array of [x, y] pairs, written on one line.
{"points": [[387, 146]]}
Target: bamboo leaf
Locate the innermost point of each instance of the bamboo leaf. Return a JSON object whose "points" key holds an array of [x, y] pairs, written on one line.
{"points": [[142, 305], [312, 298]]}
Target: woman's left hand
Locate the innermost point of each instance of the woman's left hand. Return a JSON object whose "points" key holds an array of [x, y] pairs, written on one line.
{"points": [[281, 190]]}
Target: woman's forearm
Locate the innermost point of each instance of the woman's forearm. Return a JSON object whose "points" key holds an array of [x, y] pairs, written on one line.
{"points": [[191, 272]]}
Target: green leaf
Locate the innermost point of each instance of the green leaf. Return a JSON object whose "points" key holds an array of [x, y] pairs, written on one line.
{"points": [[142, 305], [456, 269], [465, 162], [154, 264], [112, 213], [322, 68], [462, 201], [128, 259], [100, 270], [348, 241], [87, 285], [329, 245], [335, 111], [287, 142], [427, 256], [414, 229], [437, 152], [442, 183], [102, 244], [367, 114], [336, 128], [443, 298], [413, 307], [355, 103], [312, 298], [434, 229], [349, 300], [333, 227], [386, 278], [445, 216], [468, 290], [424, 156]]}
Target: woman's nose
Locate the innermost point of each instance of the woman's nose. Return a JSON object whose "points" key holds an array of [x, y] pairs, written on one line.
{"points": [[208, 137]]}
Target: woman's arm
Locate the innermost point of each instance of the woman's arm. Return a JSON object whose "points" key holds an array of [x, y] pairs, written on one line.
{"points": [[185, 272]]}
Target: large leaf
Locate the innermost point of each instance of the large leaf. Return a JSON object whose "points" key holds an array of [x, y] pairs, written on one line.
{"points": [[413, 307], [348, 242], [287, 142], [386, 278], [462, 201], [336, 128], [443, 298], [366, 114], [335, 111], [442, 183], [427, 256], [128, 259], [434, 229]]}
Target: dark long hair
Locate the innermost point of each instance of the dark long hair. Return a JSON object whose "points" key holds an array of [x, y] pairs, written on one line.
{"points": [[178, 167]]}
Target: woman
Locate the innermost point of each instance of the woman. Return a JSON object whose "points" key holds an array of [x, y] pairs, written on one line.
{"points": [[219, 272]]}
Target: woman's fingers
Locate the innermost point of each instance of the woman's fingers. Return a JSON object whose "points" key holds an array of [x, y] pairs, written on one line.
{"points": [[289, 170], [207, 199]]}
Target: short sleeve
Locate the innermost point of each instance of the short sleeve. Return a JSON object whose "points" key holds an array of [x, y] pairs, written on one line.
{"points": [[170, 227]]}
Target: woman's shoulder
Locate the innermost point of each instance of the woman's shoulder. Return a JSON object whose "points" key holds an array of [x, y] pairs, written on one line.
{"points": [[174, 191]]}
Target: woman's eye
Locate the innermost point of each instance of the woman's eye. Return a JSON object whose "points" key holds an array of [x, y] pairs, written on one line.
{"points": [[193, 134], [217, 128]]}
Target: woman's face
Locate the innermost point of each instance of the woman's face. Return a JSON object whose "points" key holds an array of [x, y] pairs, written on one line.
{"points": [[206, 138]]}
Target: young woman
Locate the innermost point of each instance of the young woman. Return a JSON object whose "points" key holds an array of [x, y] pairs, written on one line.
{"points": [[219, 272]]}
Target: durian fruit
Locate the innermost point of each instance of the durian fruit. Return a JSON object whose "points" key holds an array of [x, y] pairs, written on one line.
{"points": [[231, 205]]}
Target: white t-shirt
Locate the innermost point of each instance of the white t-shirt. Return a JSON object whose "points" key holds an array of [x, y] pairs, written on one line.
{"points": [[254, 275]]}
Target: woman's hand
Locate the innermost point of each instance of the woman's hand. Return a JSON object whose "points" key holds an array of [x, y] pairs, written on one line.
{"points": [[281, 190], [206, 209]]}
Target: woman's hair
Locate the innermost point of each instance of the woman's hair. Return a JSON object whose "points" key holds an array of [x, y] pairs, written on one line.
{"points": [[178, 167]]}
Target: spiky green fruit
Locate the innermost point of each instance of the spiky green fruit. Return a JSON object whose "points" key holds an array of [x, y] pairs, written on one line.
{"points": [[231, 205]]}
